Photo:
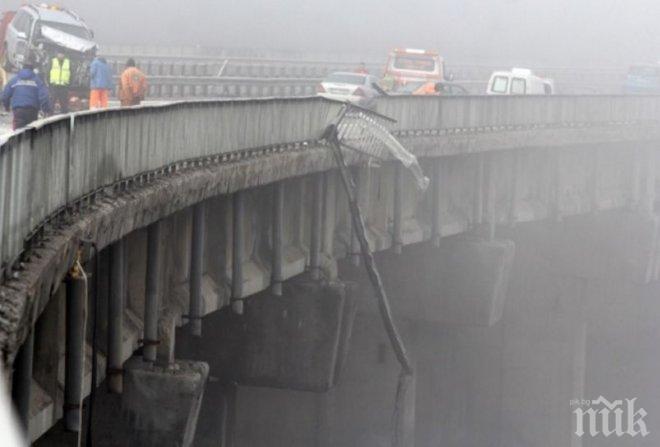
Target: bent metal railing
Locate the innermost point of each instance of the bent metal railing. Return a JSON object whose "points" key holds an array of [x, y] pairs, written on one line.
{"points": [[58, 163]]}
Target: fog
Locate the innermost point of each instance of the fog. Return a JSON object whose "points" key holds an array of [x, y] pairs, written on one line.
{"points": [[536, 32]]}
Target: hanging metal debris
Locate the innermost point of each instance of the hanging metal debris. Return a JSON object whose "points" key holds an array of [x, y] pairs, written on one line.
{"points": [[368, 132]]}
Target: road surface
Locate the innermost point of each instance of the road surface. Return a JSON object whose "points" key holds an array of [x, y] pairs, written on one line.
{"points": [[5, 124]]}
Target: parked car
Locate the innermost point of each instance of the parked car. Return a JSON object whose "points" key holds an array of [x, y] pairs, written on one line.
{"points": [[519, 81], [643, 79], [357, 88], [40, 32]]}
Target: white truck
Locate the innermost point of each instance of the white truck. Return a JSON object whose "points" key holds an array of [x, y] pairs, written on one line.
{"points": [[519, 81]]}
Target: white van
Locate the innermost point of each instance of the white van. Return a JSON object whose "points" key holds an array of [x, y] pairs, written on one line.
{"points": [[519, 81]]}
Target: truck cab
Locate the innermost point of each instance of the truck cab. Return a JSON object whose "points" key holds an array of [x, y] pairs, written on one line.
{"points": [[40, 32], [519, 81], [412, 65]]}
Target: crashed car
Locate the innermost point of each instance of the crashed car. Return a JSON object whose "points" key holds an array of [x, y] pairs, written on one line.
{"points": [[40, 32]]}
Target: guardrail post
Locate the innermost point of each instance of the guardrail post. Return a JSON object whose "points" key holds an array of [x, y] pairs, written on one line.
{"points": [[237, 253], [278, 237], [436, 199], [74, 363], [21, 389], [397, 218], [115, 317], [152, 298], [197, 269], [316, 234]]}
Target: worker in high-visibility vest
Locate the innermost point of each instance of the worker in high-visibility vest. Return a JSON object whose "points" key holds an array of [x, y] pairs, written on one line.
{"points": [[60, 81]]}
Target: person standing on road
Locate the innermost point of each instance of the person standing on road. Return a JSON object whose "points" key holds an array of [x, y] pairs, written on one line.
{"points": [[25, 95], [132, 85], [60, 81], [100, 83]]}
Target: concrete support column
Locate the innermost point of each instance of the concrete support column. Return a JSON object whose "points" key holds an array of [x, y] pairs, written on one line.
{"points": [[555, 165], [316, 233], [329, 213], [152, 298], [397, 217], [491, 196], [74, 365], [21, 389], [478, 210], [278, 238], [648, 204], [237, 252], [514, 194], [594, 180], [197, 268], [436, 198], [115, 317], [636, 178]]}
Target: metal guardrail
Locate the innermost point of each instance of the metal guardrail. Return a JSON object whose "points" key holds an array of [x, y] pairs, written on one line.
{"points": [[56, 164], [428, 115], [46, 168], [173, 87]]}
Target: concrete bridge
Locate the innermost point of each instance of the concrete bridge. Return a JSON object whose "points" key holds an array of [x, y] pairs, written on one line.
{"points": [[227, 217]]}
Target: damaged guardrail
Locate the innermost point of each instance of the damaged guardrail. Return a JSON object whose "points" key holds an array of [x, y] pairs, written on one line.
{"points": [[57, 164]]}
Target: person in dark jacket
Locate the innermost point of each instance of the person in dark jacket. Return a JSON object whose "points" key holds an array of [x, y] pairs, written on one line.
{"points": [[25, 95], [100, 83]]}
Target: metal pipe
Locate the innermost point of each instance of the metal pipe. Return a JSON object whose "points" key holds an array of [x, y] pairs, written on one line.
{"points": [[115, 317], [197, 269], [316, 234], [237, 253], [278, 237], [436, 205], [74, 362], [21, 389], [397, 218], [152, 298]]}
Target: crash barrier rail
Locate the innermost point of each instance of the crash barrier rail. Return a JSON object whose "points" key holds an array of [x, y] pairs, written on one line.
{"points": [[52, 168], [172, 87], [49, 169], [426, 115]]}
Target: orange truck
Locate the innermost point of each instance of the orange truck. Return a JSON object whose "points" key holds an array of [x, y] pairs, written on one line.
{"points": [[411, 65]]}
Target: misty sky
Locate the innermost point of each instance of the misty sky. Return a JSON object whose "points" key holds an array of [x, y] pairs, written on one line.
{"points": [[540, 32]]}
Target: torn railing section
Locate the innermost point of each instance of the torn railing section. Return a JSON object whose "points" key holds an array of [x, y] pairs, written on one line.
{"points": [[367, 132]]}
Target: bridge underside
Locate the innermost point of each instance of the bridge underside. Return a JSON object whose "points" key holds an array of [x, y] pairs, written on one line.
{"points": [[557, 248]]}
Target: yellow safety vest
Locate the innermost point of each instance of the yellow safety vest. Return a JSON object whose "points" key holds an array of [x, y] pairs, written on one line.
{"points": [[60, 75]]}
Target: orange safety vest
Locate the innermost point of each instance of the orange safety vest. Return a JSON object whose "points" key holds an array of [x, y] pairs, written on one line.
{"points": [[132, 85]]}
